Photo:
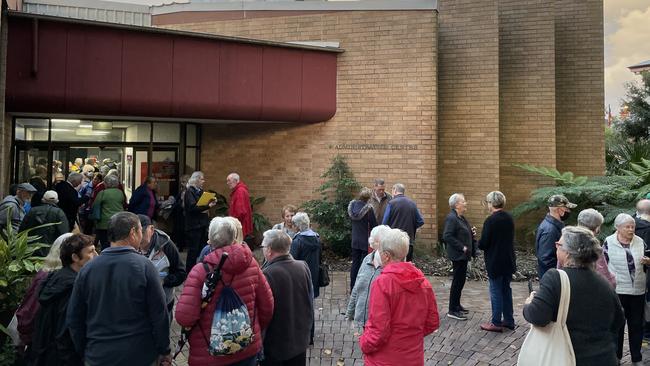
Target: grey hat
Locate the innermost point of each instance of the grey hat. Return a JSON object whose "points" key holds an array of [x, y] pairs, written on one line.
{"points": [[27, 187], [50, 197], [558, 200]]}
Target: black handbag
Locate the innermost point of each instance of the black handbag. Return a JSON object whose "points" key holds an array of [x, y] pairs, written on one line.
{"points": [[323, 275]]}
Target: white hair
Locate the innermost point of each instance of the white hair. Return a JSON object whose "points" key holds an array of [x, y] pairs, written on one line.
{"points": [[194, 178], [591, 219], [622, 218], [301, 220], [399, 188], [453, 200], [234, 176], [395, 242], [376, 236], [222, 232]]}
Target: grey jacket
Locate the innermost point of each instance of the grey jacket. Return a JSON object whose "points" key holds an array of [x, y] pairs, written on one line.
{"points": [[14, 205], [358, 305]]}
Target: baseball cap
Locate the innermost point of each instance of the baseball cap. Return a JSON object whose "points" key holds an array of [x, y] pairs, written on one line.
{"points": [[27, 187], [51, 196], [558, 200]]}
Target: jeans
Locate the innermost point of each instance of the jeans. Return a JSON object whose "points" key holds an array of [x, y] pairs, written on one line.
{"points": [[357, 258], [501, 299], [633, 306], [457, 284]]}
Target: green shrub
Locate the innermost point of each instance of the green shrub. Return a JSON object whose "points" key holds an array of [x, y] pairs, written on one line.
{"points": [[331, 210], [610, 195]]}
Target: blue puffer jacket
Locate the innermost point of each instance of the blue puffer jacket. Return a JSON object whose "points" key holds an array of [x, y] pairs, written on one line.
{"points": [[358, 305]]}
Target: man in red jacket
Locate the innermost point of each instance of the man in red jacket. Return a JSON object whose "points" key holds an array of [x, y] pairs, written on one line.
{"points": [[240, 204], [402, 308]]}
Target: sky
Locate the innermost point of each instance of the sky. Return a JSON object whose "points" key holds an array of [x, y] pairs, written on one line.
{"points": [[627, 42]]}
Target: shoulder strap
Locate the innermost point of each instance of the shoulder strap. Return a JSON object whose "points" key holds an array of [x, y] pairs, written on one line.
{"points": [[565, 298]]}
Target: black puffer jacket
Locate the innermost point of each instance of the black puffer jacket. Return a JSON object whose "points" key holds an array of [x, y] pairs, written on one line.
{"points": [[51, 342], [46, 213], [363, 220]]}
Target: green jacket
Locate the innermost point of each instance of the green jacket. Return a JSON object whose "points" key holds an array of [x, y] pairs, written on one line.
{"points": [[111, 201]]}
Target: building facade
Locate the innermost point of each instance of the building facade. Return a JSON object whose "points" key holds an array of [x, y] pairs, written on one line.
{"points": [[442, 96]]}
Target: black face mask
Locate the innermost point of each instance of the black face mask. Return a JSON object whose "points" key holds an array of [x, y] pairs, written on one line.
{"points": [[565, 216]]}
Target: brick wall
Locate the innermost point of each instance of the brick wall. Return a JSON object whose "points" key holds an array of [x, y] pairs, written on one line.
{"points": [[579, 83], [468, 104], [386, 95], [526, 95]]}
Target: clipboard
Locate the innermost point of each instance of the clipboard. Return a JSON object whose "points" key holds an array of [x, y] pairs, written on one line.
{"points": [[205, 199]]}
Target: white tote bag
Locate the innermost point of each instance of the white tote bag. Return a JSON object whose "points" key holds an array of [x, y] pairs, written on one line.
{"points": [[550, 345]]}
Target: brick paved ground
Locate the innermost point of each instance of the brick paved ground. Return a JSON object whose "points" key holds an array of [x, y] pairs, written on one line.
{"points": [[455, 343]]}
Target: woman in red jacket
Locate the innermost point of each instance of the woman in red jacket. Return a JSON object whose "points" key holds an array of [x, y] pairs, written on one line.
{"points": [[243, 274], [402, 308]]}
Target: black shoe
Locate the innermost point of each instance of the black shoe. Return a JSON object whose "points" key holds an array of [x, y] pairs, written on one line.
{"points": [[509, 326], [456, 315], [462, 310]]}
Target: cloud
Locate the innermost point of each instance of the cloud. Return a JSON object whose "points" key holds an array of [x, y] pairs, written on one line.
{"points": [[627, 42]]}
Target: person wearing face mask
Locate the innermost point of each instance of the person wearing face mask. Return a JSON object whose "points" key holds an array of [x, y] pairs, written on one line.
{"points": [[549, 232], [14, 205]]}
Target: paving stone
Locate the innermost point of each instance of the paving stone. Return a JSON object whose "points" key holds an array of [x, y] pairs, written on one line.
{"points": [[455, 343]]}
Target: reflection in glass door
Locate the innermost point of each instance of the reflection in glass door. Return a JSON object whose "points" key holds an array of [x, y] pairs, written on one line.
{"points": [[31, 162]]}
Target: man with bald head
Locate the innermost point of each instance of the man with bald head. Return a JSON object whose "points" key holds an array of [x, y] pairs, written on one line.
{"points": [[240, 204]]}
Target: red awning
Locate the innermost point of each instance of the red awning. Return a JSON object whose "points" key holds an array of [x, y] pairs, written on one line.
{"points": [[72, 67]]}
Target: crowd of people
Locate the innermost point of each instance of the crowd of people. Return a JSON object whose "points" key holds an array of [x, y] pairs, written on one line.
{"points": [[117, 307]]}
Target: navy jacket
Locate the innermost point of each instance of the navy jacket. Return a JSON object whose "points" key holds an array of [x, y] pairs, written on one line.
{"points": [[548, 232], [456, 235], [117, 314], [402, 213], [306, 247], [497, 241], [363, 220], [141, 201]]}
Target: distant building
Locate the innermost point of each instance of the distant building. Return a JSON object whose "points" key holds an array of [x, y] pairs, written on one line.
{"points": [[640, 67]]}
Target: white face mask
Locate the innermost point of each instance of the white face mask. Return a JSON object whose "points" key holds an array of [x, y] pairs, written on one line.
{"points": [[376, 260]]}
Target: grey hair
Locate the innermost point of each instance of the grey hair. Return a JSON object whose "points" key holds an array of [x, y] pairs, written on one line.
{"points": [[53, 260], [239, 238], [234, 176], [643, 207], [496, 199], [194, 178], [113, 172], [622, 218], [379, 182], [111, 181], [222, 232], [75, 178], [277, 241], [377, 235], [399, 188], [395, 242], [581, 245], [453, 200], [591, 219], [301, 220]]}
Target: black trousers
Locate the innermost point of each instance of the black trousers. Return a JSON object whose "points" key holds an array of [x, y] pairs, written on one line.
{"points": [[300, 360], [633, 306], [409, 256], [195, 240], [357, 258], [101, 237], [457, 284]]}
